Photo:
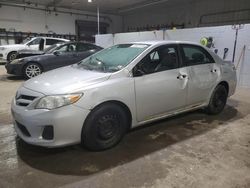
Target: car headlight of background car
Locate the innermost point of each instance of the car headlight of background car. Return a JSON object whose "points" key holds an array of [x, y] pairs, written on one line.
{"points": [[56, 101], [2, 48], [17, 61]]}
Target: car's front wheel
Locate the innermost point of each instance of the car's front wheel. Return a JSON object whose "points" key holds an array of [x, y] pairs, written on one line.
{"points": [[104, 127], [31, 70], [11, 56], [218, 100]]}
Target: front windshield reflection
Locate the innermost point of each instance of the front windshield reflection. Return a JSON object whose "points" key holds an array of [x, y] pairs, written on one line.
{"points": [[114, 58]]}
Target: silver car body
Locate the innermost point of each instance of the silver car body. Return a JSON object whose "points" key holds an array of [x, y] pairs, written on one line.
{"points": [[149, 97]]}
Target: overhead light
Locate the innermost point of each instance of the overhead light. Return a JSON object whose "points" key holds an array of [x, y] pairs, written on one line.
{"points": [[89, 1]]}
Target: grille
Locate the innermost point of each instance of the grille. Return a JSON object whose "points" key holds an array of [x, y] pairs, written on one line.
{"points": [[23, 129], [24, 100]]}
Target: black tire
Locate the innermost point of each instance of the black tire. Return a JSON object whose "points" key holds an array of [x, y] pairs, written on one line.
{"points": [[218, 100], [104, 127], [11, 56], [27, 70]]}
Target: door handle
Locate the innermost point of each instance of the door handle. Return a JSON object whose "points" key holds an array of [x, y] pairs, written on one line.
{"points": [[213, 71], [182, 76]]}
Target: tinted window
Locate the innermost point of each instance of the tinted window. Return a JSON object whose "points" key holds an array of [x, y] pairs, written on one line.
{"points": [[52, 41], [81, 47], [195, 55], [160, 59], [67, 48]]}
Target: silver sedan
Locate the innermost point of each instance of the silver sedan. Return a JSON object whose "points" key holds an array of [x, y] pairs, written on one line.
{"points": [[96, 101]]}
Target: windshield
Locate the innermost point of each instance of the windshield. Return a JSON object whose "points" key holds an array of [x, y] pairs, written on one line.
{"points": [[26, 40], [114, 58]]}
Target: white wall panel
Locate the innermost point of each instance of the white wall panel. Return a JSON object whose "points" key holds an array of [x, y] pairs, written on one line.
{"points": [[244, 68], [223, 37], [104, 41]]}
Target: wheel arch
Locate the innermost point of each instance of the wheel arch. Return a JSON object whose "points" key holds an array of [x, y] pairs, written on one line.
{"points": [[12, 51], [225, 84], [120, 104], [27, 63]]}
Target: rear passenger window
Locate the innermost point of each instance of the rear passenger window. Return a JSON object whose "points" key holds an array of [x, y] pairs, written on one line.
{"points": [[195, 55], [51, 41]]}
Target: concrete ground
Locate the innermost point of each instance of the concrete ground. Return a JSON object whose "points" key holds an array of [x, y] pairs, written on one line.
{"points": [[191, 150]]}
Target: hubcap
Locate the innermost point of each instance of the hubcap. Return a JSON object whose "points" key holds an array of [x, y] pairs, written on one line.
{"points": [[12, 57], [32, 70], [107, 127]]}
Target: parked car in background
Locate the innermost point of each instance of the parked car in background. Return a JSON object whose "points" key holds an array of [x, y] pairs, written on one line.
{"points": [[63, 55], [28, 53], [96, 101], [8, 52]]}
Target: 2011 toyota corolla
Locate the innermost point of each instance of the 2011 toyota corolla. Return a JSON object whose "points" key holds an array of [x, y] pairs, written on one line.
{"points": [[97, 100]]}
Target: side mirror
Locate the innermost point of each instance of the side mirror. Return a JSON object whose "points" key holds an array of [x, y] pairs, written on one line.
{"points": [[56, 53], [138, 72]]}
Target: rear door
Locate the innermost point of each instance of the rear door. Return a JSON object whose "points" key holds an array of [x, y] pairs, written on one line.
{"points": [[160, 84], [203, 73]]}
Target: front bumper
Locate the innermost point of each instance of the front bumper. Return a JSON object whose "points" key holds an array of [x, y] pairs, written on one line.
{"points": [[15, 69], [3, 56], [66, 122]]}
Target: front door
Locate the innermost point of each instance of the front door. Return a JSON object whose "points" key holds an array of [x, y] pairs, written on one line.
{"points": [[64, 56], [160, 85]]}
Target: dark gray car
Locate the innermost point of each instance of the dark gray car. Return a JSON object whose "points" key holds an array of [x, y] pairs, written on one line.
{"points": [[64, 55]]}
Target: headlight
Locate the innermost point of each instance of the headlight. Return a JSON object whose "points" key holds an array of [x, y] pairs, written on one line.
{"points": [[17, 61], [56, 101], [2, 48]]}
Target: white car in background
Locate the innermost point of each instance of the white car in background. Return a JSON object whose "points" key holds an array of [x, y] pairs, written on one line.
{"points": [[8, 52], [97, 100]]}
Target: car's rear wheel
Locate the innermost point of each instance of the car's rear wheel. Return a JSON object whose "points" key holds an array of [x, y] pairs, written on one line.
{"points": [[104, 127], [31, 70], [11, 56], [218, 100]]}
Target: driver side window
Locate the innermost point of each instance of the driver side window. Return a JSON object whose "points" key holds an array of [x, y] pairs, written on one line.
{"points": [[160, 59]]}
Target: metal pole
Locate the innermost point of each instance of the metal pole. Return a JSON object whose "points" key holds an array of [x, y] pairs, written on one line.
{"points": [[98, 18], [235, 43]]}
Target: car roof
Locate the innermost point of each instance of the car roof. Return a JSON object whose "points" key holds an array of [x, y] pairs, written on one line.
{"points": [[62, 39]]}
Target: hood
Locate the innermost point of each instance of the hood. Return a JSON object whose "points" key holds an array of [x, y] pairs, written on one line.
{"points": [[65, 80]]}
